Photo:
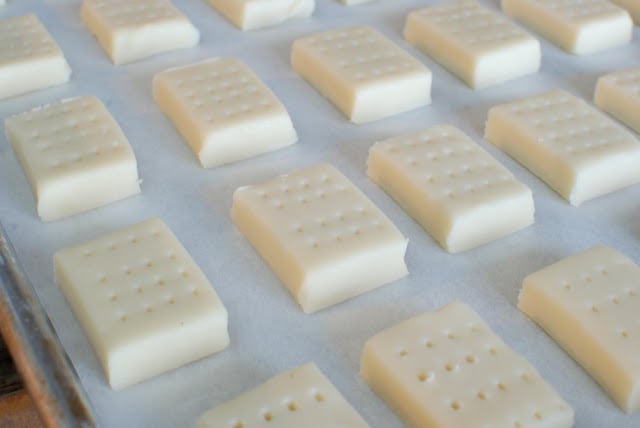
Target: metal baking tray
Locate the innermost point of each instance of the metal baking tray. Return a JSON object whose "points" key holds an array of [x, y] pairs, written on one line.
{"points": [[269, 333]]}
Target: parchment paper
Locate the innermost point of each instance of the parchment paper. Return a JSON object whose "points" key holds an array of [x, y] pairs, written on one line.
{"points": [[269, 333]]}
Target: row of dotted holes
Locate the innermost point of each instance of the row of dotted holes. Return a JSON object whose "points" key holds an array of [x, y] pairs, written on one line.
{"points": [[149, 309], [23, 34], [126, 17], [129, 272], [206, 102], [483, 185], [20, 51], [132, 240], [304, 185], [451, 336], [54, 143], [487, 23], [377, 56], [301, 184], [222, 94], [560, 115], [16, 30], [589, 130], [586, 278], [500, 386], [159, 282], [446, 13], [229, 75], [355, 230], [303, 200], [340, 238], [78, 158], [584, 10], [149, 264], [90, 124], [543, 105], [462, 171], [230, 80], [243, 109], [61, 110], [335, 35], [291, 406], [434, 156], [446, 141]]}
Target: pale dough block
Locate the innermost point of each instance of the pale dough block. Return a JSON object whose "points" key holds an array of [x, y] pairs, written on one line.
{"points": [[302, 397], [580, 27], [363, 73], [326, 241], [254, 14], [223, 111], [632, 6], [447, 369], [30, 59], [479, 46], [460, 194], [74, 155], [129, 31], [577, 150], [144, 304], [619, 95], [590, 304]]}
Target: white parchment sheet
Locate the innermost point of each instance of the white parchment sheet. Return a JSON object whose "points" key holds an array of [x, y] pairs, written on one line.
{"points": [[269, 333]]}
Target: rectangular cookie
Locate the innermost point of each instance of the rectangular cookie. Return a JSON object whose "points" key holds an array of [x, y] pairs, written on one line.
{"points": [[30, 58], [460, 194], [577, 150], [447, 369], [580, 27], [479, 46], [302, 397], [142, 301], [254, 14], [223, 110], [321, 235], [618, 94], [590, 304], [130, 31], [74, 155], [361, 72]]}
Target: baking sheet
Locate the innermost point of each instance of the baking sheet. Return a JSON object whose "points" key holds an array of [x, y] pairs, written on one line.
{"points": [[269, 333]]}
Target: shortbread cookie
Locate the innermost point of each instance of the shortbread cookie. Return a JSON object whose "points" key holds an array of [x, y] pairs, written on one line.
{"points": [[590, 304], [447, 369], [619, 95], [75, 157], [364, 74], [302, 397], [580, 27], [321, 235], [460, 194], [479, 46], [29, 57], [144, 304], [574, 148], [223, 110], [129, 31], [254, 14]]}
